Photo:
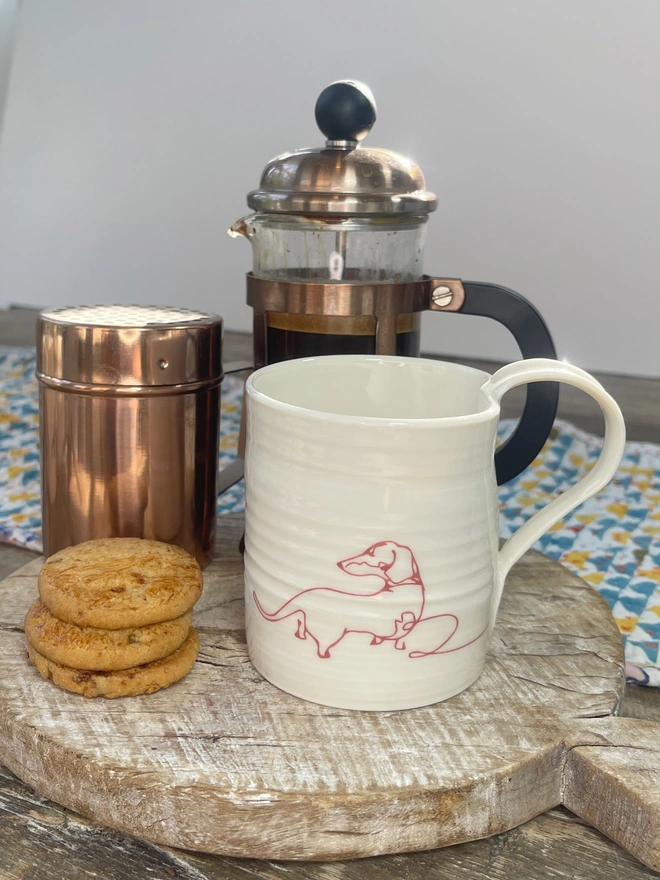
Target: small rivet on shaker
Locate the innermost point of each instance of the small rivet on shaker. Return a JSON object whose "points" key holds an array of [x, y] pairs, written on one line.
{"points": [[442, 296], [163, 364]]}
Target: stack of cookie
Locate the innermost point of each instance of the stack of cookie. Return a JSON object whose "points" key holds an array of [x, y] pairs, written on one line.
{"points": [[114, 617]]}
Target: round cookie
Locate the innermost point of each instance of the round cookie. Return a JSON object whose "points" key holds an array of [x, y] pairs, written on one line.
{"points": [[124, 682], [85, 647], [117, 583]]}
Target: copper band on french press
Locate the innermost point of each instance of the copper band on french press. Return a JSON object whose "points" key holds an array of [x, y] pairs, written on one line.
{"points": [[383, 302]]}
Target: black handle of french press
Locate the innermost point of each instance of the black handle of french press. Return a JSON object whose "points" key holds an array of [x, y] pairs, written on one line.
{"points": [[531, 333]]}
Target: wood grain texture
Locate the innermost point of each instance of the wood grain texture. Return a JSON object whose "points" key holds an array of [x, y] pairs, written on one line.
{"points": [[642, 702], [615, 785], [44, 841], [223, 762]]}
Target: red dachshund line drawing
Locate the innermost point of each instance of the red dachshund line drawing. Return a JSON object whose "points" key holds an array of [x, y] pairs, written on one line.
{"points": [[401, 599]]}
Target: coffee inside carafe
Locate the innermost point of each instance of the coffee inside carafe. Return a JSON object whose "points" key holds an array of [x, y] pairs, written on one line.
{"points": [[322, 250]]}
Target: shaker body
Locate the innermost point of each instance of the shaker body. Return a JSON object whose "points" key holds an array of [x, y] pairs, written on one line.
{"points": [[129, 417], [130, 466]]}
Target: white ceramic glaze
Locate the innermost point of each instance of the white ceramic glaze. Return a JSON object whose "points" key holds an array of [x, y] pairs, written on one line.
{"points": [[372, 568]]}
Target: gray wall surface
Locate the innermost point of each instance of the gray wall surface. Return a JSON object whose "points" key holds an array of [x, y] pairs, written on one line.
{"points": [[134, 129], [7, 28]]}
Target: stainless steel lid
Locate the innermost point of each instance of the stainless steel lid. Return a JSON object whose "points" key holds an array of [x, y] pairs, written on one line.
{"points": [[129, 346], [343, 177]]}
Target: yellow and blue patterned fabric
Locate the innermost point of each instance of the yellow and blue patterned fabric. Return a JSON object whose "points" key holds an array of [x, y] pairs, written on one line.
{"points": [[612, 540]]}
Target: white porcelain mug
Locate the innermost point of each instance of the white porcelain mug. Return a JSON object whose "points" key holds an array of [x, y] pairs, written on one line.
{"points": [[372, 568]]}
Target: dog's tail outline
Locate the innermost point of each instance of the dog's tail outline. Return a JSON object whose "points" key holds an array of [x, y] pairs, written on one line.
{"points": [[281, 614], [415, 655]]}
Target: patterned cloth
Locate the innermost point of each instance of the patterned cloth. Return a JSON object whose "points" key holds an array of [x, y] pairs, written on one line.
{"points": [[612, 541]]}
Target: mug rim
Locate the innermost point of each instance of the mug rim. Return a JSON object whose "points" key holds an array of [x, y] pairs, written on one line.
{"points": [[492, 409]]}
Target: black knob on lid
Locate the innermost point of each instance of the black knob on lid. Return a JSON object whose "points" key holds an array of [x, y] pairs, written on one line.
{"points": [[345, 111]]}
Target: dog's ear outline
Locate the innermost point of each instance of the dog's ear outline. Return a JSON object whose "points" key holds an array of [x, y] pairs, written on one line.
{"points": [[403, 570]]}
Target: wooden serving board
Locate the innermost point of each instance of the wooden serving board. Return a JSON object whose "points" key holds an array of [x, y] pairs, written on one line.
{"points": [[223, 762]]}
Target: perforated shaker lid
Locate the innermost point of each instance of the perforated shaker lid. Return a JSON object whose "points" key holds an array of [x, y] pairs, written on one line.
{"points": [[129, 346], [343, 177]]}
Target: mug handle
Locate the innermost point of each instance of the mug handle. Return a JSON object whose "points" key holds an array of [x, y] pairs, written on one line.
{"points": [[545, 370], [533, 338]]}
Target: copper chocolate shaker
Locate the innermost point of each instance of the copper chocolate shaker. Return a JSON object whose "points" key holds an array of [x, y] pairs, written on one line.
{"points": [[130, 415]]}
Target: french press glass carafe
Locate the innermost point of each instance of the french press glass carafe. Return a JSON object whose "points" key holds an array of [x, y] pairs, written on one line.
{"points": [[337, 240]]}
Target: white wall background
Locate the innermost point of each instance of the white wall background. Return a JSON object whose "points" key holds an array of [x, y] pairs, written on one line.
{"points": [[7, 27], [134, 129]]}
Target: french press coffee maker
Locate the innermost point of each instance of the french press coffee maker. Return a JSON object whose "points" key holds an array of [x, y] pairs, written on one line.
{"points": [[337, 240]]}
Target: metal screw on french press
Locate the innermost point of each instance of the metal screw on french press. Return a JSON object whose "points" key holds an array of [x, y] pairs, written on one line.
{"points": [[442, 296]]}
